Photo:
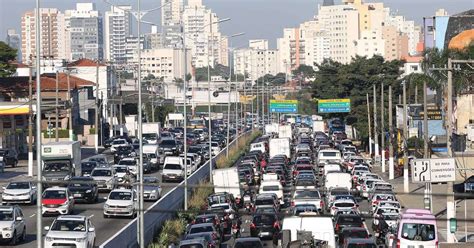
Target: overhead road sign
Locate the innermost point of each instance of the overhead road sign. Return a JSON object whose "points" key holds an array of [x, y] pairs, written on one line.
{"points": [[283, 106], [334, 106], [434, 170]]}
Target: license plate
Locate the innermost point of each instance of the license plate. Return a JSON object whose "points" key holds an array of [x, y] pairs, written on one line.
{"points": [[77, 195], [15, 197], [264, 233]]}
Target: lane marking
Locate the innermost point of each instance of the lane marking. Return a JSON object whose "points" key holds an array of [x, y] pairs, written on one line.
{"points": [[91, 216], [32, 215]]}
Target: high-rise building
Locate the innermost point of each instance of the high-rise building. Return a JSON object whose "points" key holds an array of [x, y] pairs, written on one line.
{"points": [[52, 30], [256, 61], [166, 63], [207, 44], [117, 28], [171, 12], [84, 34], [14, 41], [153, 40], [131, 48]]}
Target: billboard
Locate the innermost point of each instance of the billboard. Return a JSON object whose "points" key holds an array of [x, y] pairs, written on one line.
{"points": [[283, 106], [334, 106]]}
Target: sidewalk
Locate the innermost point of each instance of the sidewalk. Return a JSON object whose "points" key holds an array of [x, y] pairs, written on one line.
{"points": [[415, 199]]}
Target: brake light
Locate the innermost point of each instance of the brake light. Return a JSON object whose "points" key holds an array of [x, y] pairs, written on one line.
{"points": [[365, 187], [321, 204], [193, 222], [292, 203], [252, 226], [398, 243], [337, 227], [436, 245], [276, 225], [237, 200]]}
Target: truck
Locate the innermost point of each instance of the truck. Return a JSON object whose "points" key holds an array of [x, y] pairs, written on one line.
{"points": [[285, 131], [151, 132], [61, 160], [271, 128], [227, 180], [318, 126], [280, 146]]}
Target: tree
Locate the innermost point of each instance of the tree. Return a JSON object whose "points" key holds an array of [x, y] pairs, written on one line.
{"points": [[7, 55], [305, 71]]}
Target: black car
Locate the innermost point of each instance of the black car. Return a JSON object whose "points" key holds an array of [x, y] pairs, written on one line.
{"points": [[347, 220], [247, 242], [123, 152], [84, 189], [169, 147], [352, 232], [87, 167], [10, 157], [265, 226]]}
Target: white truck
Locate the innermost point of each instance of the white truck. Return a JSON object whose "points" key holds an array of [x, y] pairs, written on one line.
{"points": [[61, 160], [280, 146], [173, 169], [285, 131], [318, 126], [227, 180], [308, 228], [152, 151], [151, 132], [271, 128]]}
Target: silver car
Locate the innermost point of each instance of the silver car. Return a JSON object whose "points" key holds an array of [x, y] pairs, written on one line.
{"points": [[151, 189], [12, 224], [105, 177], [19, 192]]}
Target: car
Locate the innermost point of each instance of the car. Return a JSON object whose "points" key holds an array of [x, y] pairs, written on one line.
{"points": [[10, 156], [151, 189], [100, 159], [211, 239], [12, 225], [265, 226], [57, 200], [204, 228], [169, 146], [194, 243], [308, 196], [87, 167], [70, 231], [348, 220], [19, 192], [84, 189], [356, 243], [131, 163], [343, 204], [105, 177], [121, 202], [247, 242], [352, 232], [118, 142]]}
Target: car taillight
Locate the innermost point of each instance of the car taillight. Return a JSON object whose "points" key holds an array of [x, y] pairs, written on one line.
{"points": [[398, 243], [337, 227], [252, 226], [193, 222], [292, 203], [365, 187], [436, 245], [237, 200], [276, 225]]}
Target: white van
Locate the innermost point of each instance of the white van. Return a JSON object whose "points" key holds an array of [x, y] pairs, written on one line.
{"points": [[260, 146], [329, 155], [153, 153], [173, 169], [272, 186], [338, 180], [321, 228], [331, 168]]}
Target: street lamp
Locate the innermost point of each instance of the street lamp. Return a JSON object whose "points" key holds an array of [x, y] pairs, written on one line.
{"points": [[209, 90]]}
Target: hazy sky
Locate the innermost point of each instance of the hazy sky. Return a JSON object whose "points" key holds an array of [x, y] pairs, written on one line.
{"points": [[257, 18]]}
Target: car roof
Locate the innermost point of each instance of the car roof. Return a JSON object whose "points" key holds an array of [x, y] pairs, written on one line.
{"points": [[201, 225], [9, 207], [71, 217], [55, 188], [360, 241], [121, 190]]}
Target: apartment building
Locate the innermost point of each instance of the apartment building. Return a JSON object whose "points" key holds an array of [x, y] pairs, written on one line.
{"points": [[256, 61], [166, 63], [117, 27]]}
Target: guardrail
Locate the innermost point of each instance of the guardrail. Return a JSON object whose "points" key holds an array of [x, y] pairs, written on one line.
{"points": [[154, 215]]}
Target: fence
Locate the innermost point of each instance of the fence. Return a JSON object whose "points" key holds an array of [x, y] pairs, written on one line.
{"points": [[154, 215]]}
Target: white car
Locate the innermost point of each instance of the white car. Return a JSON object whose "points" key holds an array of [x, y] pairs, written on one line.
{"points": [[344, 205], [57, 200], [105, 177], [116, 143], [131, 163], [215, 148], [121, 202], [70, 231], [19, 192], [151, 189], [390, 215], [12, 224]]}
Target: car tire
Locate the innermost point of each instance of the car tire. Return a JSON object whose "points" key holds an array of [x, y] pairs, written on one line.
{"points": [[23, 235], [106, 216], [14, 239], [15, 163]]}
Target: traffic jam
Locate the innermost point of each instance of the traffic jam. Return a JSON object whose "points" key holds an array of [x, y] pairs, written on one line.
{"points": [[306, 186]]}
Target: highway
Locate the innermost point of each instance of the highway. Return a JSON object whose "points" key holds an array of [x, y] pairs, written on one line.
{"points": [[105, 228]]}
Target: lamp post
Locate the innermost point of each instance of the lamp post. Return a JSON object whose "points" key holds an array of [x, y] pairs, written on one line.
{"points": [[39, 175], [209, 90]]}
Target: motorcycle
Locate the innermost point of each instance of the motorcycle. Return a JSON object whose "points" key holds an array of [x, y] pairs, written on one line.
{"points": [[248, 203], [235, 230]]}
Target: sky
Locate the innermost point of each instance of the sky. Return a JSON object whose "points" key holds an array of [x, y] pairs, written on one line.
{"points": [[259, 19]]}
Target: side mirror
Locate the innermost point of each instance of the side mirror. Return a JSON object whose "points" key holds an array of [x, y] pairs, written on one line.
{"points": [[91, 229], [33, 187], [71, 197], [19, 218], [105, 197], [4, 188], [46, 228]]}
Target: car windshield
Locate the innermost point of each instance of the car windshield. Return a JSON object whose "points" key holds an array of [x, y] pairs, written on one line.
{"points": [[18, 185], [305, 209], [307, 194], [344, 220], [418, 232], [265, 201], [120, 169], [88, 165], [101, 173], [6, 215], [264, 219], [54, 194], [344, 204], [150, 180], [69, 226], [172, 167], [271, 188], [361, 234], [118, 142], [80, 184], [119, 195], [201, 229], [127, 162], [56, 167], [248, 244], [329, 154], [168, 142]]}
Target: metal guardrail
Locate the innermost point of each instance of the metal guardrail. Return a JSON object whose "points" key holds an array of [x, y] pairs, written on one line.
{"points": [[154, 218]]}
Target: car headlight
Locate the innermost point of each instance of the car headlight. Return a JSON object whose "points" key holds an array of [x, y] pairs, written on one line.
{"points": [[153, 191], [88, 191], [130, 206], [81, 239], [49, 239], [66, 178], [7, 228], [106, 206]]}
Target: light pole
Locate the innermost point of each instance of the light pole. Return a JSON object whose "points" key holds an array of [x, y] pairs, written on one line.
{"points": [[39, 174], [209, 89]]}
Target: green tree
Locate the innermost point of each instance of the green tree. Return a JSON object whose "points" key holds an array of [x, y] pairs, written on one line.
{"points": [[305, 71], [7, 55]]}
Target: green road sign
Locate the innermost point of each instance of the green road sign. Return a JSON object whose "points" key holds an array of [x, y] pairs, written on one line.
{"points": [[283, 106], [334, 106]]}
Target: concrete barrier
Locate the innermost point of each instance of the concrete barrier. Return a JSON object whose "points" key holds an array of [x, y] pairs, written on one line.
{"points": [[159, 212]]}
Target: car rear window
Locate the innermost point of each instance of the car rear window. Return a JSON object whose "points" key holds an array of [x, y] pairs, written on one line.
{"points": [[201, 229], [264, 219], [349, 220]]}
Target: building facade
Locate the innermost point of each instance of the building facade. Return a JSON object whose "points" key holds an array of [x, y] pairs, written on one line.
{"points": [[117, 27], [166, 63], [14, 41]]}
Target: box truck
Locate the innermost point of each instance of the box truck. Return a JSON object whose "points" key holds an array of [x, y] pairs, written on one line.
{"points": [[318, 126], [227, 180], [280, 146], [151, 132], [61, 160]]}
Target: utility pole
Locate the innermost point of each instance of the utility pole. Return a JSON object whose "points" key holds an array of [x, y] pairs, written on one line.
{"points": [[209, 98], [30, 123], [391, 169], [39, 174], [450, 205], [368, 124], [56, 128], [406, 185], [382, 126], [69, 114], [425, 142], [185, 124], [376, 152], [96, 133], [228, 111]]}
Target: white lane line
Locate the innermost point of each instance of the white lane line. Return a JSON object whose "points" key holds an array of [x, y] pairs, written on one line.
{"points": [[91, 216], [32, 215]]}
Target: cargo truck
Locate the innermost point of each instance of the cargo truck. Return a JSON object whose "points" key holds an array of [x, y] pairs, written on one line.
{"points": [[227, 180], [151, 132], [60, 161], [280, 146]]}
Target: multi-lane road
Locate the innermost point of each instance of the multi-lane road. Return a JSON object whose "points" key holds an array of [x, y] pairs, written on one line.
{"points": [[105, 228]]}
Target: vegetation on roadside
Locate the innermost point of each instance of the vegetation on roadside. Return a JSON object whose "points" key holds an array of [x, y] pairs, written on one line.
{"points": [[237, 150]]}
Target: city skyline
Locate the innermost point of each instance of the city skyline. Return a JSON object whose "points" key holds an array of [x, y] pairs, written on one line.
{"points": [[252, 23]]}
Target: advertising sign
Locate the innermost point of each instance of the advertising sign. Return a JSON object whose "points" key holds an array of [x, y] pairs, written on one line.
{"points": [[334, 106], [283, 106]]}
